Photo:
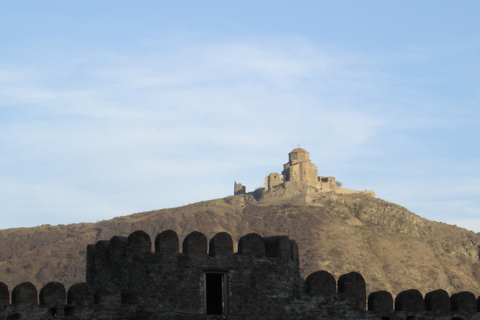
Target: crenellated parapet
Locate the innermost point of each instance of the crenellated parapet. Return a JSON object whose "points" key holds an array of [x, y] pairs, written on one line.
{"points": [[53, 301], [321, 294], [261, 269], [261, 277], [136, 278]]}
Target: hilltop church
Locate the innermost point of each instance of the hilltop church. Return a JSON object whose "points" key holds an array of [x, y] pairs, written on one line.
{"points": [[300, 176]]}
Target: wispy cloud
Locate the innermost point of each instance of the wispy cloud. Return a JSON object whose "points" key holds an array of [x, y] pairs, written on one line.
{"points": [[176, 124]]}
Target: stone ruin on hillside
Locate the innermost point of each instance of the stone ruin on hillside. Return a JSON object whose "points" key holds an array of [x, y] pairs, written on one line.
{"points": [[207, 280], [299, 177]]}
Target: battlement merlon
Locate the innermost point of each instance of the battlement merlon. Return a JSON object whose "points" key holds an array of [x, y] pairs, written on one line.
{"points": [[261, 280]]}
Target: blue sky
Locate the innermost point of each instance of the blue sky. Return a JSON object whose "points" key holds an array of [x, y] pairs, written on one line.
{"points": [[114, 107]]}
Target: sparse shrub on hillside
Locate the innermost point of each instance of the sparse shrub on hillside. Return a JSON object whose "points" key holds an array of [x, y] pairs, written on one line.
{"points": [[340, 234]]}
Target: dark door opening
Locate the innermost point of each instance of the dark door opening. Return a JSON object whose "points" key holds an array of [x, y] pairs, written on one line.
{"points": [[215, 297]]}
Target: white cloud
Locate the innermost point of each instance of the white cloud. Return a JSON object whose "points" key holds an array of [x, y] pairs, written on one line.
{"points": [[172, 125]]}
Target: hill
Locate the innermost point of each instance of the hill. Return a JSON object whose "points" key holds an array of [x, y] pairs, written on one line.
{"points": [[391, 247]]}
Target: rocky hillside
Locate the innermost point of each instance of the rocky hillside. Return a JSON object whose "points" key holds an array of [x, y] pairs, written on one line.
{"points": [[391, 247]]}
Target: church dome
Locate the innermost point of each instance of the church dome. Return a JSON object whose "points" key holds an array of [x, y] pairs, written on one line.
{"points": [[298, 150]]}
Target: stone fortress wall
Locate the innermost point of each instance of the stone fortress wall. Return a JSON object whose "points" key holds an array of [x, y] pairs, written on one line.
{"points": [[127, 280]]}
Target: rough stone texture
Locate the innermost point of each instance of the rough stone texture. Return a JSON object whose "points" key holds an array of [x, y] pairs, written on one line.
{"points": [[108, 296], [195, 244], [353, 285], [410, 300], [253, 279], [24, 294], [80, 295], [278, 247], [167, 242], [53, 294], [256, 283], [138, 243], [221, 244], [437, 300], [299, 167], [118, 246], [4, 294], [464, 302], [380, 301], [238, 188], [252, 244], [273, 180], [321, 283]]}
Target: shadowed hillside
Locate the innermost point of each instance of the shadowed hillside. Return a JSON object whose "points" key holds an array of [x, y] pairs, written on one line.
{"points": [[391, 247]]}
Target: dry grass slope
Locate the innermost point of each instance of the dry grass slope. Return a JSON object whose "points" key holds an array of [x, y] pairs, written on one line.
{"points": [[391, 247]]}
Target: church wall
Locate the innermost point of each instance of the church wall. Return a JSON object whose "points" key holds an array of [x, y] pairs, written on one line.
{"points": [[295, 157]]}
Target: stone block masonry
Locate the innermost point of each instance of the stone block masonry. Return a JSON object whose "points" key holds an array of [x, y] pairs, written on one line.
{"points": [[128, 279]]}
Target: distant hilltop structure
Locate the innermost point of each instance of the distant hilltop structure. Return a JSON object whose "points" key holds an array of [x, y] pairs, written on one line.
{"points": [[299, 179]]}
